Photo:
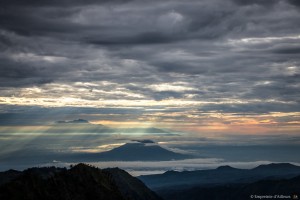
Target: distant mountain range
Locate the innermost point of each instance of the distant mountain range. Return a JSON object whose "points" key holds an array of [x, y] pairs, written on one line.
{"points": [[138, 151], [141, 152], [78, 126], [221, 175], [81, 182], [226, 182], [263, 189], [84, 126]]}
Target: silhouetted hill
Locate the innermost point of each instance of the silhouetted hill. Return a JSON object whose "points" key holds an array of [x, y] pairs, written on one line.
{"points": [[226, 168], [142, 130], [277, 167], [84, 126], [131, 187], [219, 176], [274, 189], [81, 182], [8, 176], [76, 121], [140, 152], [78, 126], [131, 152]]}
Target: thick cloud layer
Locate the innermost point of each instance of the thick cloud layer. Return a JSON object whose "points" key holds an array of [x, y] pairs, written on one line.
{"points": [[187, 61]]}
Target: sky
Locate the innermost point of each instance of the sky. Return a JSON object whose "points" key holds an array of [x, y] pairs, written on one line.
{"points": [[201, 66], [209, 70]]}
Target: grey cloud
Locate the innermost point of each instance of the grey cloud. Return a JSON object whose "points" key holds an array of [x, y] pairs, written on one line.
{"points": [[257, 108], [283, 88], [294, 2], [167, 95], [257, 2], [134, 44], [287, 50], [57, 2], [216, 19], [141, 38], [21, 74]]}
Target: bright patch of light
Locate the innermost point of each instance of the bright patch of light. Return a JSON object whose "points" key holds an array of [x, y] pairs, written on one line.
{"points": [[261, 40], [30, 57], [170, 87]]}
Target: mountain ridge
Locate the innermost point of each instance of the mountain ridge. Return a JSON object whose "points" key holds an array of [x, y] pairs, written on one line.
{"points": [[82, 182], [271, 189], [220, 175], [84, 126], [140, 152]]}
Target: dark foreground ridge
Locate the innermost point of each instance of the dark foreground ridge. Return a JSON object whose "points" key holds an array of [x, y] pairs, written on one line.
{"points": [[81, 182]]}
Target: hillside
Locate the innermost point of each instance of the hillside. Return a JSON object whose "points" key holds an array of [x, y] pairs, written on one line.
{"points": [[80, 182], [141, 152], [264, 189], [227, 182], [137, 151], [221, 175]]}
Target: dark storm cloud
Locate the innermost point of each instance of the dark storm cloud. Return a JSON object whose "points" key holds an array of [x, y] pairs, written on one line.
{"points": [[222, 49], [212, 22], [141, 38], [14, 74], [294, 2], [206, 24], [288, 50], [57, 2], [253, 2]]}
